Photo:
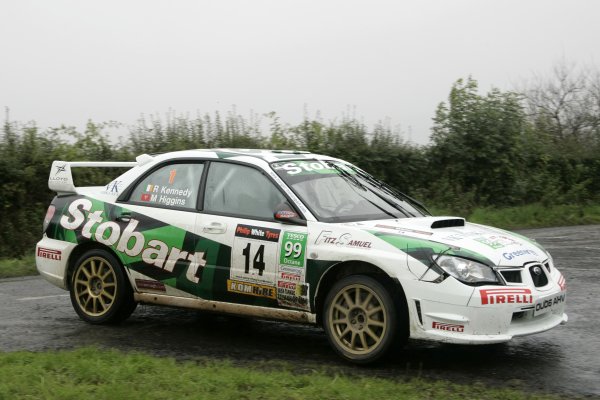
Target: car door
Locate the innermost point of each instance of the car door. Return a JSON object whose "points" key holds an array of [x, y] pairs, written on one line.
{"points": [[262, 261], [162, 205]]}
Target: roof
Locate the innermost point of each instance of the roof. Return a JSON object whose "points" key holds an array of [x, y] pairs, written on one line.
{"points": [[261, 154]]}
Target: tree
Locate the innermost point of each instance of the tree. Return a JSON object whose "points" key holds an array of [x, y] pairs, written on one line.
{"points": [[566, 107], [476, 151]]}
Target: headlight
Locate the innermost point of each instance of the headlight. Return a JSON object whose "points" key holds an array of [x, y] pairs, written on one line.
{"points": [[467, 271]]}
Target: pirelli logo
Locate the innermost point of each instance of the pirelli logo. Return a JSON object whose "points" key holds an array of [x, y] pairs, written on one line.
{"points": [[251, 289], [448, 327], [49, 254], [506, 296]]}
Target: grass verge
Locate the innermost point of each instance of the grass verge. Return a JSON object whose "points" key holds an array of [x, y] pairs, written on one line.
{"points": [[11, 267], [110, 374], [531, 216]]}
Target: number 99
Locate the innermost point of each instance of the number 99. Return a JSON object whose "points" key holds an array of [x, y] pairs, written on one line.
{"points": [[295, 248]]}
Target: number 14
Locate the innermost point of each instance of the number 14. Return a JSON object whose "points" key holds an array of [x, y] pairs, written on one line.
{"points": [[258, 261]]}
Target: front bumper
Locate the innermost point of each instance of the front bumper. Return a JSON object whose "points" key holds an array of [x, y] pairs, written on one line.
{"points": [[456, 313], [476, 325]]}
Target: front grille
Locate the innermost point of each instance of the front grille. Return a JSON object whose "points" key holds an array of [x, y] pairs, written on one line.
{"points": [[512, 276], [538, 276]]}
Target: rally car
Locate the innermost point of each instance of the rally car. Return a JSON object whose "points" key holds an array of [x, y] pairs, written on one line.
{"points": [[294, 236]]}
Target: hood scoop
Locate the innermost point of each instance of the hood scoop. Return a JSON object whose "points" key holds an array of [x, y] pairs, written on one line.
{"points": [[448, 223]]}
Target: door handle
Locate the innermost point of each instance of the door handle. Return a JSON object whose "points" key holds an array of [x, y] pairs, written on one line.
{"points": [[124, 217], [214, 227]]}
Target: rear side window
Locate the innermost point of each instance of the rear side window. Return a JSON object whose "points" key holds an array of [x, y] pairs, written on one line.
{"points": [[173, 186], [239, 190]]}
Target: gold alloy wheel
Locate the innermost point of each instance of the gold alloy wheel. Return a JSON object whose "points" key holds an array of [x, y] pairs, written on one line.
{"points": [[95, 285], [357, 319]]}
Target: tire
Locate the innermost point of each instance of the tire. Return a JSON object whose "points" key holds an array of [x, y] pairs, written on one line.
{"points": [[100, 291], [360, 331]]}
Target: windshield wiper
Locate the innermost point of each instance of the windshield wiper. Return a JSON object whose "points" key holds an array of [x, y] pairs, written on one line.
{"points": [[348, 176], [351, 178], [391, 191]]}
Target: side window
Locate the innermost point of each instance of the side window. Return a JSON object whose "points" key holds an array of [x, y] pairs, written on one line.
{"points": [[239, 190], [173, 185]]}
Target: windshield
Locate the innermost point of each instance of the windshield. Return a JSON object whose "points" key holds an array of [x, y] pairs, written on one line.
{"points": [[339, 192]]}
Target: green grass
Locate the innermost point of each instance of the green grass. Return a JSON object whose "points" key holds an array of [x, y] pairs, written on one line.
{"points": [[530, 216], [109, 374], [11, 267], [537, 216]]}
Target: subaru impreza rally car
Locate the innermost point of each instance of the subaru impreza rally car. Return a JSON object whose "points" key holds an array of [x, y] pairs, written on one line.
{"points": [[292, 236]]}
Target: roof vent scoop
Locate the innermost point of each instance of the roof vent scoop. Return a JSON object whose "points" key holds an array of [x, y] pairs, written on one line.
{"points": [[448, 223]]}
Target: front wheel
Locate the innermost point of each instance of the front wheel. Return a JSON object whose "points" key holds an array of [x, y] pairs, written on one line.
{"points": [[360, 319], [100, 292]]}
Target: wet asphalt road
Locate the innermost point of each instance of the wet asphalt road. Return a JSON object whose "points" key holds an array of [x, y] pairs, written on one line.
{"points": [[35, 315]]}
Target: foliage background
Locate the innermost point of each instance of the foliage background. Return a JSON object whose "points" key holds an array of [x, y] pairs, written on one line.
{"points": [[538, 146]]}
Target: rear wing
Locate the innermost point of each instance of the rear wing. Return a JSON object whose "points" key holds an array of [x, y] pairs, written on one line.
{"points": [[61, 179]]}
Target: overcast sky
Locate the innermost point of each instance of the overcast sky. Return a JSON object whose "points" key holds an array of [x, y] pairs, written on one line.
{"points": [[70, 61]]}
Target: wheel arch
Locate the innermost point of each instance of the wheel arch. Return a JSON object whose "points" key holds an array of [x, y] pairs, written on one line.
{"points": [[346, 268], [84, 248]]}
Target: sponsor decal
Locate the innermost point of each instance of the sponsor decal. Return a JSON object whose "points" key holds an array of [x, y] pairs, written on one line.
{"points": [[506, 296], [49, 254], [113, 187], [546, 305], [293, 294], [254, 254], [519, 253], [292, 291], [293, 249], [60, 169], [286, 214], [497, 242], [399, 229], [129, 241], [396, 228], [344, 239], [463, 235], [448, 327], [310, 167], [562, 283], [251, 289], [288, 276], [257, 233], [150, 285], [291, 270]]}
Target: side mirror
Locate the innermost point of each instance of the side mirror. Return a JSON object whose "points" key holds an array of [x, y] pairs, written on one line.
{"points": [[289, 217]]}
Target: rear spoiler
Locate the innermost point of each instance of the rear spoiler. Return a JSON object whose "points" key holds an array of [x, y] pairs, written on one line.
{"points": [[61, 179]]}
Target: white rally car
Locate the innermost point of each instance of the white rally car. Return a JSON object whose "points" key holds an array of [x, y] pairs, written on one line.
{"points": [[292, 236]]}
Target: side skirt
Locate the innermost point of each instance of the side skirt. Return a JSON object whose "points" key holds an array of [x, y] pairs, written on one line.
{"points": [[227, 308]]}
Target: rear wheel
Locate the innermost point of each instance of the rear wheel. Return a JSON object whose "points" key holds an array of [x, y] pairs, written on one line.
{"points": [[360, 319], [100, 292]]}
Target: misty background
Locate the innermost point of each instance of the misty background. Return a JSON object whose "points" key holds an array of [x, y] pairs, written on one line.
{"points": [[67, 62], [479, 109]]}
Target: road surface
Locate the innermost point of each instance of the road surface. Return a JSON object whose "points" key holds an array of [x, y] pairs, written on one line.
{"points": [[34, 315]]}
